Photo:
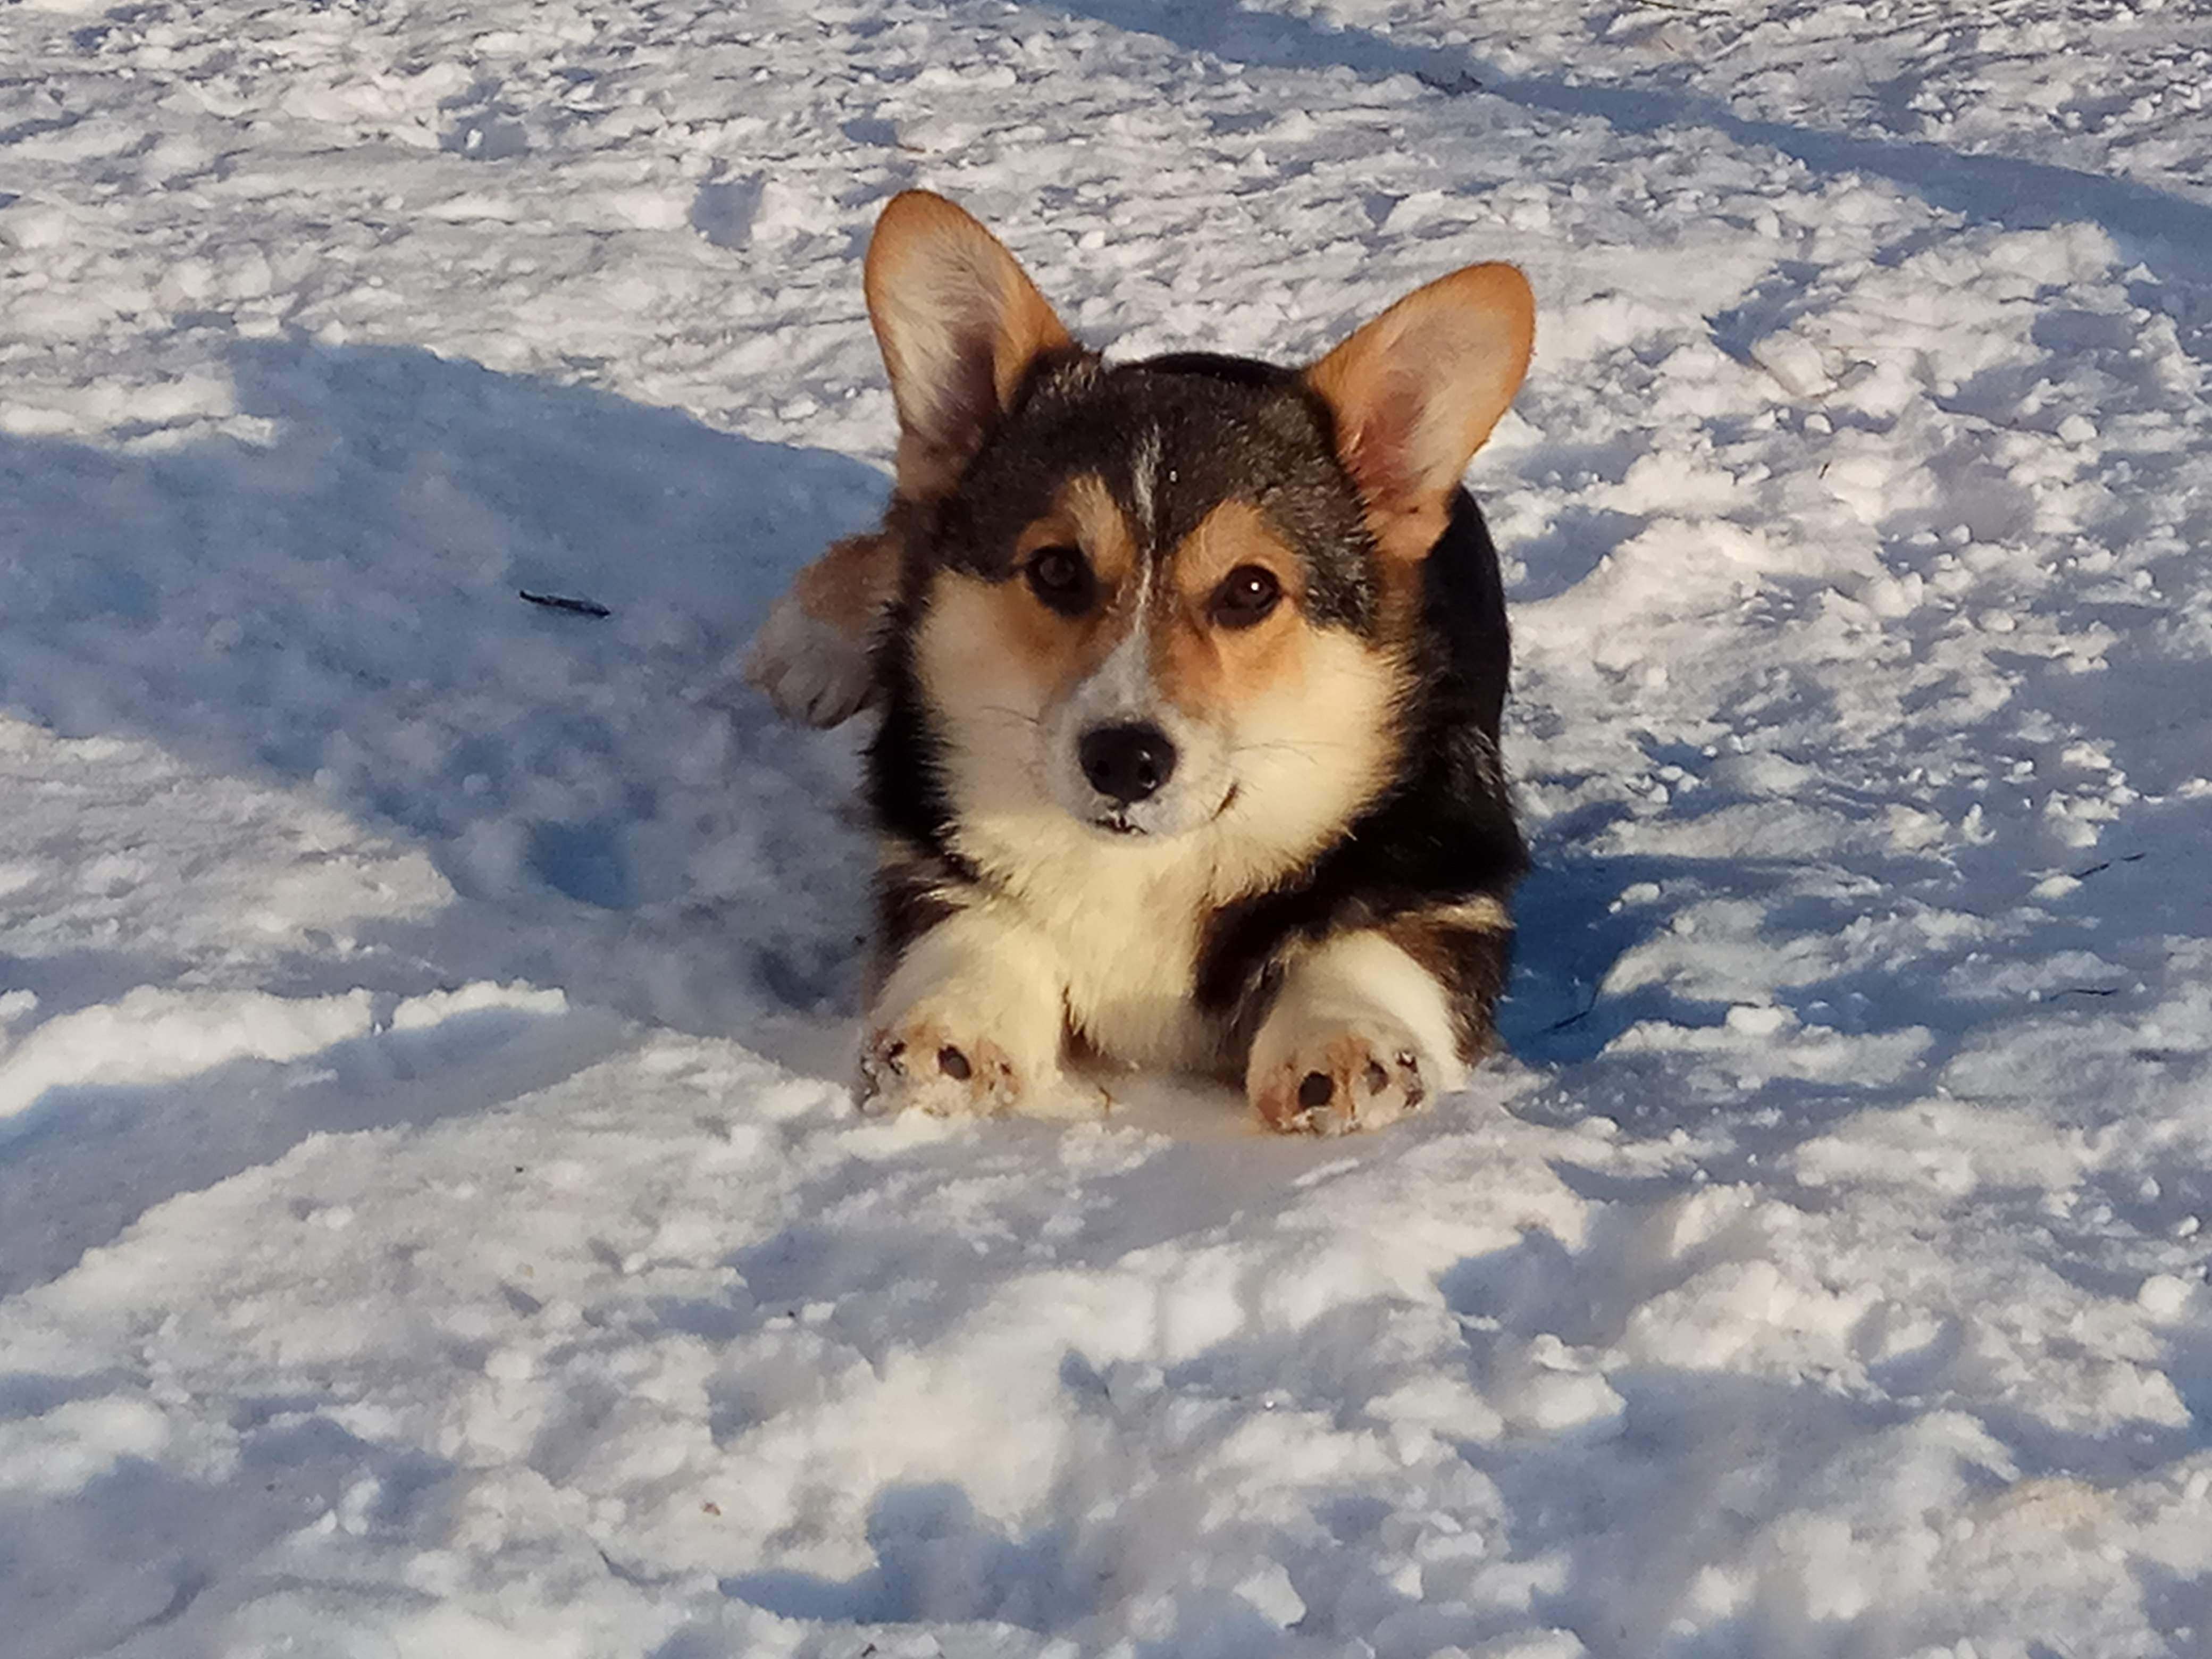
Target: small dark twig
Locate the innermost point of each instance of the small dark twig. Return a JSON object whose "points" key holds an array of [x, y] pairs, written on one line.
{"points": [[1587, 1010], [2124, 858], [2087, 991], [558, 602]]}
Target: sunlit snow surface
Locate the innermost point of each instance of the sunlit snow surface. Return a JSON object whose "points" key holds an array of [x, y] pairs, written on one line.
{"points": [[432, 1222]]}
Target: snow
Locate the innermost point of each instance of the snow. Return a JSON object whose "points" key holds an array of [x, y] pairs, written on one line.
{"points": [[149, 1036], [432, 1216]]}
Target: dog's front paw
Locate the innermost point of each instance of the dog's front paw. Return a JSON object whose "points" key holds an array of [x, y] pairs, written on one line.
{"points": [[925, 1063], [1330, 1080], [812, 671]]}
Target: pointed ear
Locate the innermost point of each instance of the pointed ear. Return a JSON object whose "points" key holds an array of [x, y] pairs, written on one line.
{"points": [[1416, 391], [959, 324]]}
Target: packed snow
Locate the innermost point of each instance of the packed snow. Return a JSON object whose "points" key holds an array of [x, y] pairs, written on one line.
{"points": [[433, 1218]]}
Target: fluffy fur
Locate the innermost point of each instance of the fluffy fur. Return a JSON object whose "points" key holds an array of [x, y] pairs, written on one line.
{"points": [[1191, 672]]}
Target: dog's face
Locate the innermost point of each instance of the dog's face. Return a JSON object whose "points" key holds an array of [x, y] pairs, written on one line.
{"points": [[1168, 603], [1155, 608]]}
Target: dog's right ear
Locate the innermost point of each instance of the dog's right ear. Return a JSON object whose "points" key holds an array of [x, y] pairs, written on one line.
{"points": [[960, 325]]}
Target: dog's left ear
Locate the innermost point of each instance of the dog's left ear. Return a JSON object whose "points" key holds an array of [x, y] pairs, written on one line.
{"points": [[1417, 391]]}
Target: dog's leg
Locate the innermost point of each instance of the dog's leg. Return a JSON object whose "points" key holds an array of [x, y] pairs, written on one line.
{"points": [[812, 657], [1369, 1025], [970, 1020]]}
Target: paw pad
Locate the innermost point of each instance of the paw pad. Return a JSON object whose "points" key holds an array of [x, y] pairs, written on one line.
{"points": [[915, 1067], [1343, 1082]]}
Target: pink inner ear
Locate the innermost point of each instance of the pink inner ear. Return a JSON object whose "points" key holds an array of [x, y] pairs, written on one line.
{"points": [[968, 400], [1383, 458], [1417, 389]]}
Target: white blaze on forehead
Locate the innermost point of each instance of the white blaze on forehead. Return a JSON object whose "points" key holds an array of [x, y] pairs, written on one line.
{"points": [[1143, 486], [1122, 685]]}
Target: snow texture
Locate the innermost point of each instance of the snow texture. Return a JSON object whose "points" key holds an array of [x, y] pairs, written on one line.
{"points": [[433, 1221]]}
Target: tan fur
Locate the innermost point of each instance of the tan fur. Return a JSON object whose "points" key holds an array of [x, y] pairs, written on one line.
{"points": [[852, 585], [1479, 914], [813, 656], [1314, 747], [1235, 533], [1210, 671], [991, 651], [1085, 516]]}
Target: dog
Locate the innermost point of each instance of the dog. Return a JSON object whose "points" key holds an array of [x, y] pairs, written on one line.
{"points": [[1191, 672]]}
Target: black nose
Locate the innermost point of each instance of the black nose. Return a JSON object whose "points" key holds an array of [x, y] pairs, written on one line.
{"points": [[1126, 763]]}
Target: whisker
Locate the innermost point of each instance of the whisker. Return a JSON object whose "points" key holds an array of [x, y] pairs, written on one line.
{"points": [[1311, 756], [1303, 745]]}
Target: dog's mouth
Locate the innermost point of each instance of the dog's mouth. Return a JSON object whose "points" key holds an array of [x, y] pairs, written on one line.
{"points": [[1119, 823]]}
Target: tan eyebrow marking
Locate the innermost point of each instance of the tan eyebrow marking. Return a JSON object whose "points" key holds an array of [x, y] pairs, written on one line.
{"points": [[1237, 532], [1084, 513]]}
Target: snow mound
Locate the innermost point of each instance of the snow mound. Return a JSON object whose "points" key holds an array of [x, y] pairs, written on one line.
{"points": [[432, 1216]]}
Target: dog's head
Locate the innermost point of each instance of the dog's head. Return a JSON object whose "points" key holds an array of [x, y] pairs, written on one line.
{"points": [[1172, 598]]}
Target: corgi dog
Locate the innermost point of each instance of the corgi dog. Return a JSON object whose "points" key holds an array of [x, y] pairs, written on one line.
{"points": [[1191, 672]]}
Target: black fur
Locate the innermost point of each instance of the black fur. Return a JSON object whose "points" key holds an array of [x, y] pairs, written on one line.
{"points": [[911, 897]]}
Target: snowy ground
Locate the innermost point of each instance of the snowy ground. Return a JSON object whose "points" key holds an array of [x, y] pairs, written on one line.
{"points": [[431, 1222]]}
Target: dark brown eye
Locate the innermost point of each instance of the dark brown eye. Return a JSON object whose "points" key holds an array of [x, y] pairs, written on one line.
{"points": [[1246, 595], [1061, 577]]}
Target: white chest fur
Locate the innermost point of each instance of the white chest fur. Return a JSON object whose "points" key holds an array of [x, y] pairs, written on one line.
{"points": [[1123, 921]]}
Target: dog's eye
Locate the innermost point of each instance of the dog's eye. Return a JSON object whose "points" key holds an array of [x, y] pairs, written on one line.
{"points": [[1245, 597], [1062, 578]]}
